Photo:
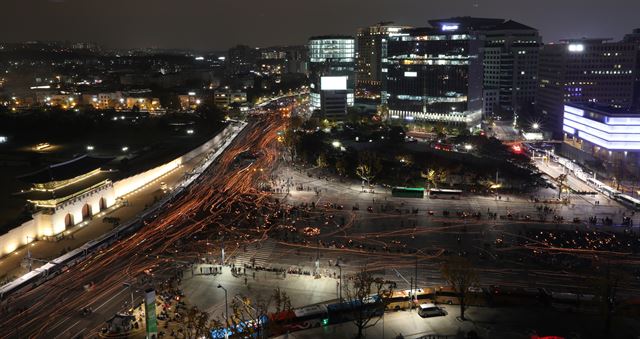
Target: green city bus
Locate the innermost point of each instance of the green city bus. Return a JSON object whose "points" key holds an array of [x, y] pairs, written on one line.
{"points": [[407, 192]]}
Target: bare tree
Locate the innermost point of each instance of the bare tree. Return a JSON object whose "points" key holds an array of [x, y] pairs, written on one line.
{"points": [[461, 275], [369, 165], [282, 304], [605, 288], [364, 296]]}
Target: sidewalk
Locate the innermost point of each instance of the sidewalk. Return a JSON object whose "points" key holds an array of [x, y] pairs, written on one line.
{"points": [[488, 323]]}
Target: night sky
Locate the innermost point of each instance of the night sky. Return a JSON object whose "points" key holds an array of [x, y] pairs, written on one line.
{"points": [[219, 24]]}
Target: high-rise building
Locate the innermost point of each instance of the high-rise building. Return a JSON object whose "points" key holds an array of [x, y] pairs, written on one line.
{"points": [[634, 38], [297, 59], [242, 59], [332, 75], [510, 57], [584, 71], [371, 49], [435, 73]]}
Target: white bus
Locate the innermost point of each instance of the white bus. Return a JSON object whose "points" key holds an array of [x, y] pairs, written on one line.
{"points": [[440, 193], [629, 201], [595, 183], [611, 192]]}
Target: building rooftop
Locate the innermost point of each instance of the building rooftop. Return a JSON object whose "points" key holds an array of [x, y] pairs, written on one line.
{"points": [[67, 190], [511, 25], [606, 109], [321, 37], [65, 170], [468, 23]]}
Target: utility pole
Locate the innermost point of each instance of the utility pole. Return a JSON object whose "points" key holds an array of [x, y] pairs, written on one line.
{"points": [[226, 312], [411, 291], [130, 286], [318, 258], [416, 279], [340, 277], [29, 254], [222, 250]]}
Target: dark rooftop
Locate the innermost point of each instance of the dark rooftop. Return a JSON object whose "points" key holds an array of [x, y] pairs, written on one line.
{"points": [[318, 37], [67, 190], [65, 170], [606, 109], [511, 25]]}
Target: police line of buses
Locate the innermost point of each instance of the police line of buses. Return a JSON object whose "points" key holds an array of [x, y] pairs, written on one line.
{"points": [[338, 312]]}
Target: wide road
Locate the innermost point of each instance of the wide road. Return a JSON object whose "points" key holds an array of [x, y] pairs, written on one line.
{"points": [[52, 310]]}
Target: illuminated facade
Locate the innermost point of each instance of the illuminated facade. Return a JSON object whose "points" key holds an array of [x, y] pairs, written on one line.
{"points": [[584, 71], [602, 128], [435, 73], [371, 49], [225, 97], [332, 73], [603, 134]]}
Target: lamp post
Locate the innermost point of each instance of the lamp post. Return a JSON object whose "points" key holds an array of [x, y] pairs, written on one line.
{"points": [[340, 277], [130, 286], [226, 307]]}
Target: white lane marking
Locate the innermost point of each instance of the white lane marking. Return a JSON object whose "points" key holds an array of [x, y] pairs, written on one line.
{"points": [[114, 296], [59, 323], [68, 328]]}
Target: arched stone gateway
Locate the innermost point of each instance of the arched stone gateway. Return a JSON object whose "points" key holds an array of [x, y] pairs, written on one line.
{"points": [[68, 220], [86, 212], [103, 204]]}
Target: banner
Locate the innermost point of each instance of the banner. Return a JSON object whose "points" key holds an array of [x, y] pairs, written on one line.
{"points": [[150, 313]]}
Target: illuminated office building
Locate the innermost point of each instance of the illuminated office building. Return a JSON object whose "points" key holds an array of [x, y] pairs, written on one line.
{"points": [[584, 71], [510, 57], [371, 49], [435, 73], [332, 74], [609, 134]]}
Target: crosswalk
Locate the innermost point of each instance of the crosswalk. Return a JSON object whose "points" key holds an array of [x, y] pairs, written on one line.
{"points": [[260, 252]]}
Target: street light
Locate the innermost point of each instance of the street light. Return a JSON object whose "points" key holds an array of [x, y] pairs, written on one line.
{"points": [[340, 287], [130, 286], [535, 126], [89, 148], [226, 307]]}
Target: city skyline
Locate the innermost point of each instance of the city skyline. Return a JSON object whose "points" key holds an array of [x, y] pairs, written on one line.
{"points": [[204, 25]]}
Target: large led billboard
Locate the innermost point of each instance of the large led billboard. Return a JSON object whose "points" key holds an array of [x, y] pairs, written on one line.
{"points": [[333, 83]]}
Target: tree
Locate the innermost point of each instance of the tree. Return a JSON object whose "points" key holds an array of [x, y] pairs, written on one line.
{"points": [[434, 176], [353, 115], [290, 141], [369, 165], [211, 115], [341, 166], [561, 185], [282, 304], [605, 288], [396, 134], [364, 296], [461, 275], [322, 160]]}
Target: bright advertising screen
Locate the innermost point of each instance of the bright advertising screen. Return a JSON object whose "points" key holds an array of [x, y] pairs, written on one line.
{"points": [[335, 83]]}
